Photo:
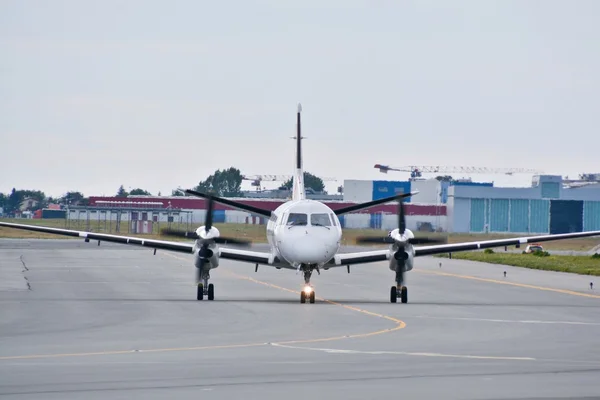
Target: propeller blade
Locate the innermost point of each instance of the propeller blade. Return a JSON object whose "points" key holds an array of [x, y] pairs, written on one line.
{"points": [[427, 240], [209, 214], [229, 240], [178, 234], [375, 239], [401, 217]]}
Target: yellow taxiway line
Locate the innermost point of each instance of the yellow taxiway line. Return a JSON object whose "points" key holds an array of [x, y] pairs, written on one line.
{"points": [[523, 285]]}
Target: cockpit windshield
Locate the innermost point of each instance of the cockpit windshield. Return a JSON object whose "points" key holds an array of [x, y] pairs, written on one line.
{"points": [[297, 219], [320, 220]]}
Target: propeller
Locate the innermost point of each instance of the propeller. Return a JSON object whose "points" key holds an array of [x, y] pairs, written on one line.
{"points": [[401, 231], [205, 235], [400, 254]]}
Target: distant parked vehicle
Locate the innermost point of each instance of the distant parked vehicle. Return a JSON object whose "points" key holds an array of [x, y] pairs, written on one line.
{"points": [[532, 248]]}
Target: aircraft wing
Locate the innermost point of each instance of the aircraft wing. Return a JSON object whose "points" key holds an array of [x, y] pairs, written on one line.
{"points": [[361, 257], [364, 257], [254, 257], [486, 244], [180, 247]]}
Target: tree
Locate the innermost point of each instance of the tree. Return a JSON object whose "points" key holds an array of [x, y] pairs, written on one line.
{"points": [[140, 192], [310, 181], [73, 198], [16, 197], [13, 201], [226, 183], [122, 192], [177, 192]]}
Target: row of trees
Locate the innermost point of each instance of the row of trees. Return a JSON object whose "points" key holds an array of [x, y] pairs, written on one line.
{"points": [[13, 201], [226, 183]]}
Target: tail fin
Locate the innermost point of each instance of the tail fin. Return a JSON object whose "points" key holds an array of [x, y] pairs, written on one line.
{"points": [[298, 192]]}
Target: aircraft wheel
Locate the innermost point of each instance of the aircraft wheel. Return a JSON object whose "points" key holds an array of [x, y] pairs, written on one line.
{"points": [[211, 291], [393, 294], [312, 296], [404, 294], [302, 297], [200, 294]]}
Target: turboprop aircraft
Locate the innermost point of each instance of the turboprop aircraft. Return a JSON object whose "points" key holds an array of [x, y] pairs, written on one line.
{"points": [[303, 235]]}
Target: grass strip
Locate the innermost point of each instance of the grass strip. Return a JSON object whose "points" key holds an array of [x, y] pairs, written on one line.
{"points": [[585, 265]]}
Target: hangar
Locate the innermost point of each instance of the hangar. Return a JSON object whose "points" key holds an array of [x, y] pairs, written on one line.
{"points": [[547, 206], [550, 205]]}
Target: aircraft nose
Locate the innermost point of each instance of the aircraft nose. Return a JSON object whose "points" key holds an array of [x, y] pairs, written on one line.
{"points": [[306, 249]]}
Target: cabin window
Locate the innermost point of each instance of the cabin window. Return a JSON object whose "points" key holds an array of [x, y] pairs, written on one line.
{"points": [[320, 219], [297, 219]]}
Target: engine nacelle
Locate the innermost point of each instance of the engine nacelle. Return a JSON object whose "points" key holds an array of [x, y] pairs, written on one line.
{"points": [[205, 253], [405, 256], [206, 257]]}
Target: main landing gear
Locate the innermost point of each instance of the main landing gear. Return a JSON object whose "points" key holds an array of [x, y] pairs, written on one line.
{"points": [[399, 289], [307, 291], [205, 289], [403, 294]]}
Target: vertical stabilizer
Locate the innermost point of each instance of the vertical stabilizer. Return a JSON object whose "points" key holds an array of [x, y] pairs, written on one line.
{"points": [[298, 192]]}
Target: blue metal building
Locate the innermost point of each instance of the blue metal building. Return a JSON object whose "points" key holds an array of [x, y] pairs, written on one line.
{"points": [[546, 207], [383, 189]]}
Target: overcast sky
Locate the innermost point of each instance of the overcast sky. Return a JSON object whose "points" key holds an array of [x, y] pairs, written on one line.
{"points": [[160, 94]]}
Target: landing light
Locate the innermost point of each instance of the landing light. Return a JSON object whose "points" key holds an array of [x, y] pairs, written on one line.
{"points": [[307, 289]]}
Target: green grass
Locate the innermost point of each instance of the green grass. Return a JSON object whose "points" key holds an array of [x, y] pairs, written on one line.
{"points": [[585, 265]]}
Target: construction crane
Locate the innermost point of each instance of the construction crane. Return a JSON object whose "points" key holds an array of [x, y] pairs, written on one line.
{"points": [[584, 180], [258, 179], [417, 171]]}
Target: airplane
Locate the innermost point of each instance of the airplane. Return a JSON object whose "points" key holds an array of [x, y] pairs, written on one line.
{"points": [[303, 235]]}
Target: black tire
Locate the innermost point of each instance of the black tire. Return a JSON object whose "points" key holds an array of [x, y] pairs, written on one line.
{"points": [[404, 294], [302, 297], [200, 294], [312, 297], [211, 291], [393, 294]]}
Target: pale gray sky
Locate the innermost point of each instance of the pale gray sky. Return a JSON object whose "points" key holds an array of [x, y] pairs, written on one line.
{"points": [[159, 94]]}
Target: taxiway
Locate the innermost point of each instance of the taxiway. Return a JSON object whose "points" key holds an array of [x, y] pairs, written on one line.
{"points": [[81, 321]]}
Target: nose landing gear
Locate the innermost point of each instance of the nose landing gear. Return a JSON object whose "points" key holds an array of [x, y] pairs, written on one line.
{"points": [[308, 290]]}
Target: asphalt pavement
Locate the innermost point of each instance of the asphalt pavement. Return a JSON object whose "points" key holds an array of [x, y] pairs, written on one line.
{"points": [[81, 321]]}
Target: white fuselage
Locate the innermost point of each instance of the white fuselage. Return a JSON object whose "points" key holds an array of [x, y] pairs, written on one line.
{"points": [[304, 232]]}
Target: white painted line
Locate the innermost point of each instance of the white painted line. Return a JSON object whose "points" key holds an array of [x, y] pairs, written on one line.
{"points": [[511, 321], [403, 353]]}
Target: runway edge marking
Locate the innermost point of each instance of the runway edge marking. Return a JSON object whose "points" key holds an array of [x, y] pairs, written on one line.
{"points": [[523, 285]]}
